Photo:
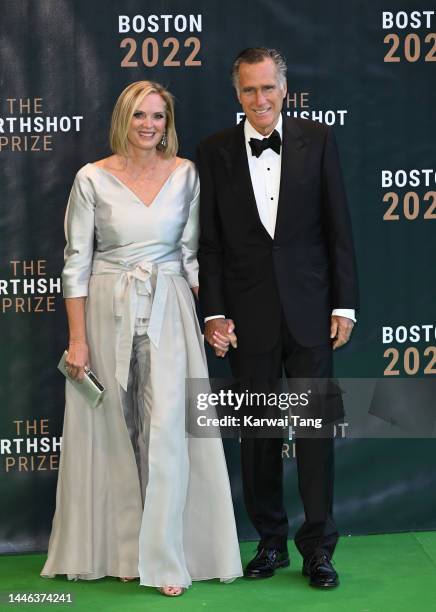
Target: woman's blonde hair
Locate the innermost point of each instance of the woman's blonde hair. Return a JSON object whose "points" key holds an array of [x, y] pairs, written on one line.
{"points": [[128, 101]]}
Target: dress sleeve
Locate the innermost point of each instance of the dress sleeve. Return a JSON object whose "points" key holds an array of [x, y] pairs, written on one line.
{"points": [[190, 238], [79, 234]]}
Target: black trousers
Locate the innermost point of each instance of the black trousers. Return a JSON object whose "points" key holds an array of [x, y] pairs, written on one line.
{"points": [[262, 465]]}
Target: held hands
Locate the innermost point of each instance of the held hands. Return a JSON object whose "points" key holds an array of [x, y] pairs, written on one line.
{"points": [[220, 334], [77, 359], [340, 330]]}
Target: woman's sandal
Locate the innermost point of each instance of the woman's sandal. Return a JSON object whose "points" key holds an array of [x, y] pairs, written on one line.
{"points": [[127, 578], [171, 591]]}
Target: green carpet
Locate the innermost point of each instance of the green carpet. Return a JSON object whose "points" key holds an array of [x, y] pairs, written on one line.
{"points": [[387, 573]]}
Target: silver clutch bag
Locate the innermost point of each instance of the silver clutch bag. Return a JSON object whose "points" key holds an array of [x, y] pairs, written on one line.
{"points": [[90, 387]]}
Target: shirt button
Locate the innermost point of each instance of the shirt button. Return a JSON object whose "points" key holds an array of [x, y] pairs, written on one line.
{"points": [[272, 198], [268, 169]]}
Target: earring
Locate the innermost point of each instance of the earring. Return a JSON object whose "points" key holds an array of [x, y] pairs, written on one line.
{"points": [[164, 141]]}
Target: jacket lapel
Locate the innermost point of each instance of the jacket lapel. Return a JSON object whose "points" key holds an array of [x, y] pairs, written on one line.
{"points": [[236, 162], [292, 169]]}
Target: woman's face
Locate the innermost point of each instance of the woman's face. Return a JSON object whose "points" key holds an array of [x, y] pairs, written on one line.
{"points": [[148, 123]]}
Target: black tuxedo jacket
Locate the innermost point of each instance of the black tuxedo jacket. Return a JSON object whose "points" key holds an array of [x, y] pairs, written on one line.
{"points": [[306, 270]]}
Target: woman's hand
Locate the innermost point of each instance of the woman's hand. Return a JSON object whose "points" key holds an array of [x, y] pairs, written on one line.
{"points": [[77, 359], [195, 291]]}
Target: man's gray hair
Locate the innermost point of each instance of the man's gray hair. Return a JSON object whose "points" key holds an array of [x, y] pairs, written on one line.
{"points": [[255, 55]]}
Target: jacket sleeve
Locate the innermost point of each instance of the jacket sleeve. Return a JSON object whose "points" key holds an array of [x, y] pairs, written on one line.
{"points": [[210, 253], [337, 223]]}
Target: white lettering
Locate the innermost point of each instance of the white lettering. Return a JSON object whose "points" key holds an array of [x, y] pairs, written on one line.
{"points": [[165, 19], [31, 445], [123, 24], [65, 124], [5, 447], [29, 285], [138, 24], [402, 19], [387, 20], [153, 23], [413, 178], [387, 335], [55, 285], [415, 333]]}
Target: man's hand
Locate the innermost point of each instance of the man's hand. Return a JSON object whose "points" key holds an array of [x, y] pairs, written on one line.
{"points": [[220, 333], [340, 330]]}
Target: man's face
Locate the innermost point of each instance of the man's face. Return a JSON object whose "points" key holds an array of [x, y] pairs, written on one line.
{"points": [[261, 95]]}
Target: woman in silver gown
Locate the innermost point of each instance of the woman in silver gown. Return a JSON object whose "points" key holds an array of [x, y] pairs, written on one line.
{"points": [[135, 495]]}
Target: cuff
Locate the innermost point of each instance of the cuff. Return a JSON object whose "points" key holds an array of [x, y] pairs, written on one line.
{"points": [[349, 313], [206, 319]]}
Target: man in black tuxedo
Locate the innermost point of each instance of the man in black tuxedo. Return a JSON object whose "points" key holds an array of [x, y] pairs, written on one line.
{"points": [[277, 281]]}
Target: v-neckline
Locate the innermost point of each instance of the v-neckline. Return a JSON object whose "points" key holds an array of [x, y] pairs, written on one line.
{"points": [[123, 184]]}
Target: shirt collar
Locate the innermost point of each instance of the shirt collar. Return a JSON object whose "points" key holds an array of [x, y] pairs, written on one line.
{"points": [[250, 132]]}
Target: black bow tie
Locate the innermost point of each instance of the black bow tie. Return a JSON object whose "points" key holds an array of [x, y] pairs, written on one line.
{"points": [[273, 142]]}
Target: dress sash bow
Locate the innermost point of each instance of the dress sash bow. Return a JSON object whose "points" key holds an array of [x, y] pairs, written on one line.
{"points": [[135, 281]]}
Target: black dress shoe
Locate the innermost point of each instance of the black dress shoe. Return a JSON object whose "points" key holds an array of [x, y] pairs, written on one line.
{"points": [[266, 562], [321, 572]]}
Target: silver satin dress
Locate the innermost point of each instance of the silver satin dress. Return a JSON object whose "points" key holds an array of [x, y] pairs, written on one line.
{"points": [[135, 495]]}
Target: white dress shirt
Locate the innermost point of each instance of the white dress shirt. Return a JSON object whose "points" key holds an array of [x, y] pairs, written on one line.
{"points": [[265, 173]]}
